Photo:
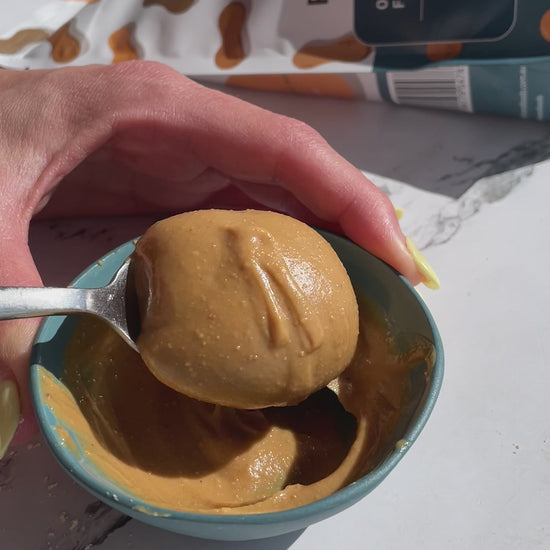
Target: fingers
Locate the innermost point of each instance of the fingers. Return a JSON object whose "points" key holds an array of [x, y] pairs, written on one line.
{"points": [[9, 412], [159, 124], [253, 146], [16, 337]]}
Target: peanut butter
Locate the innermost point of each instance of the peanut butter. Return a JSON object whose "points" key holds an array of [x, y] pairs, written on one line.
{"points": [[246, 309], [180, 454]]}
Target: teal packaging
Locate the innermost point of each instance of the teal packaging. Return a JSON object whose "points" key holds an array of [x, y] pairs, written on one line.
{"points": [[491, 56], [389, 22]]}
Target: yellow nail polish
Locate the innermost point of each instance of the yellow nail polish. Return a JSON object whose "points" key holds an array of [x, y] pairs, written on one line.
{"points": [[429, 278], [9, 413], [399, 212]]}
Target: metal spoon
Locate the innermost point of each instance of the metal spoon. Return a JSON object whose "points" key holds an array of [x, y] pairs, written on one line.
{"points": [[114, 303]]}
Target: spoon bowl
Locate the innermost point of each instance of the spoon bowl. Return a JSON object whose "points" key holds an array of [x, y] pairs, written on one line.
{"points": [[115, 303]]}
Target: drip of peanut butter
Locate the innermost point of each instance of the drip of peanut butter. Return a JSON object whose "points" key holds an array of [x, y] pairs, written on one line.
{"points": [[246, 309], [259, 255]]}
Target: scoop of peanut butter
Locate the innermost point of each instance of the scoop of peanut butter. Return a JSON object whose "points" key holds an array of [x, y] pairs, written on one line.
{"points": [[246, 309]]}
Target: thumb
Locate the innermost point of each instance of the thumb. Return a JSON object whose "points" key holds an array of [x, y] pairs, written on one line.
{"points": [[17, 268]]}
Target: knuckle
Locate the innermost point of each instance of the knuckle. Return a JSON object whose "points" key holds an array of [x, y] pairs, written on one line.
{"points": [[147, 80], [300, 141], [300, 133]]}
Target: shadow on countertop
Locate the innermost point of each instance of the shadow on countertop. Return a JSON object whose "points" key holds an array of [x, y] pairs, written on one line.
{"points": [[164, 539], [440, 151]]}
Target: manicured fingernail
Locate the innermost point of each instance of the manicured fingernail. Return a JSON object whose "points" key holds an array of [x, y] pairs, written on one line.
{"points": [[399, 212], [429, 278], [9, 413]]}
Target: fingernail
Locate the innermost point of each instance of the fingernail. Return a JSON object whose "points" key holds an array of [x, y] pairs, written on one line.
{"points": [[429, 278], [399, 212], [9, 413]]}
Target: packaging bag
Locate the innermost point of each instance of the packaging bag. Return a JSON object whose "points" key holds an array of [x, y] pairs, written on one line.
{"points": [[489, 56]]}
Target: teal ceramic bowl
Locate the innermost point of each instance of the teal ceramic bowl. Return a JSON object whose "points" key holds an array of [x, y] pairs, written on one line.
{"points": [[372, 277]]}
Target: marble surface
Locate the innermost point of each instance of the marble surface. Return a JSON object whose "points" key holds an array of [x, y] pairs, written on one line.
{"points": [[475, 193]]}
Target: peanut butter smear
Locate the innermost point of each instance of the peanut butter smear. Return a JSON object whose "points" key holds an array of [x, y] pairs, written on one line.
{"points": [[246, 309], [177, 453]]}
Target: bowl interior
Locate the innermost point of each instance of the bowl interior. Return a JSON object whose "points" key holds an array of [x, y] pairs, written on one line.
{"points": [[372, 278]]}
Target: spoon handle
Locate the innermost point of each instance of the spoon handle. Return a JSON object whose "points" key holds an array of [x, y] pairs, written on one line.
{"points": [[22, 302], [112, 303]]}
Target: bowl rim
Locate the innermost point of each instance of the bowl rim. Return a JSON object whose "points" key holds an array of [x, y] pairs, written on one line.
{"points": [[338, 500]]}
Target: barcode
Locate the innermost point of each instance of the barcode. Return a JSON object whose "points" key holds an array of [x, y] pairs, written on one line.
{"points": [[442, 87]]}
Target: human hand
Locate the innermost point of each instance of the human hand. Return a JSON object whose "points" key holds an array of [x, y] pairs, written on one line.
{"points": [[139, 138]]}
